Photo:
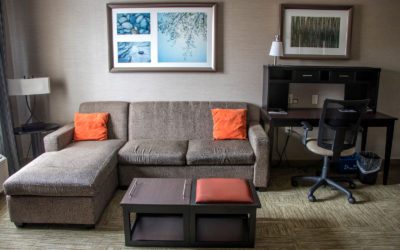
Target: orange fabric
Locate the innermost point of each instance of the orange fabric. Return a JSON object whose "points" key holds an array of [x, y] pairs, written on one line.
{"points": [[229, 124], [223, 190], [90, 126]]}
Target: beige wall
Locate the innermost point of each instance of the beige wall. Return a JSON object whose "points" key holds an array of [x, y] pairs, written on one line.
{"points": [[67, 40]]}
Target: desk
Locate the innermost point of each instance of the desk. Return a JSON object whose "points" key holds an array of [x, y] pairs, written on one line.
{"points": [[36, 137], [295, 116]]}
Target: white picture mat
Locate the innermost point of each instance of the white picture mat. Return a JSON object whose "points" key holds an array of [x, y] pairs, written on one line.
{"points": [[153, 37], [344, 21]]}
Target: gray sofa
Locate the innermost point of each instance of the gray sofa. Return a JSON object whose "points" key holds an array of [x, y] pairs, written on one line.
{"points": [[73, 181]]}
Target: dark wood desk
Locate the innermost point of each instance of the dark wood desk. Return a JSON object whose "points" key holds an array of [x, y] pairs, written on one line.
{"points": [[295, 116]]}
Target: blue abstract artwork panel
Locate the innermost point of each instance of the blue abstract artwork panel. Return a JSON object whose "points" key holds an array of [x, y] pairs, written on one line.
{"points": [[133, 23], [182, 37], [134, 52]]}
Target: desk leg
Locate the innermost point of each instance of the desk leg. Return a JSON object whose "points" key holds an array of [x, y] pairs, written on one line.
{"points": [[37, 144], [388, 151], [364, 138], [271, 141]]}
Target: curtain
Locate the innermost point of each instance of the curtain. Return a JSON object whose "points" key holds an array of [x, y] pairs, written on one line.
{"points": [[8, 147]]}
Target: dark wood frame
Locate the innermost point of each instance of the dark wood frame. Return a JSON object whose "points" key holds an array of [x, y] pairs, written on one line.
{"points": [[111, 6], [284, 7], [191, 214]]}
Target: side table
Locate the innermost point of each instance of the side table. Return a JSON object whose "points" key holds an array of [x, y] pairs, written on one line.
{"points": [[36, 136]]}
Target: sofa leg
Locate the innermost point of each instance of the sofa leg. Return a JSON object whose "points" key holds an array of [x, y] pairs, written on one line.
{"points": [[19, 225], [90, 226], [261, 189]]}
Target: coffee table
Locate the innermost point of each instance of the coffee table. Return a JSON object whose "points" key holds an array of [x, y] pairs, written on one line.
{"points": [[166, 214]]}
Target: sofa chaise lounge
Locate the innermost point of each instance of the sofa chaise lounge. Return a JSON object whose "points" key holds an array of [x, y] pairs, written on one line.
{"points": [[73, 181]]}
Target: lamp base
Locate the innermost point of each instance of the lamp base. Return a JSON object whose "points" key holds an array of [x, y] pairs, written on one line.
{"points": [[33, 126]]}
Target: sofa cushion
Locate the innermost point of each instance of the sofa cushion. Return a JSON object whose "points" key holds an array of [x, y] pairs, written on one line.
{"points": [[174, 120], [153, 152], [78, 170], [219, 152], [117, 125]]}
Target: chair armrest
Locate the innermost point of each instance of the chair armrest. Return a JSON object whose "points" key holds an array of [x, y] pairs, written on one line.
{"points": [[259, 141], [60, 138], [307, 127]]}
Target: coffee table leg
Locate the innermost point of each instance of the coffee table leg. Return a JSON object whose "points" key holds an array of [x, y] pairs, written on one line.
{"points": [[127, 225], [252, 228]]}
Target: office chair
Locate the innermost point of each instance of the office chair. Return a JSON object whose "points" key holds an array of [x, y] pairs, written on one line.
{"points": [[338, 128]]}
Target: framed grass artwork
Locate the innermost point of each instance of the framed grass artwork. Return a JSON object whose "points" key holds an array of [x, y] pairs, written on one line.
{"points": [[316, 31], [162, 37]]}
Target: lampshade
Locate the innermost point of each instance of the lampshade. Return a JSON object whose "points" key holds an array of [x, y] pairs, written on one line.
{"points": [[276, 49], [31, 86]]}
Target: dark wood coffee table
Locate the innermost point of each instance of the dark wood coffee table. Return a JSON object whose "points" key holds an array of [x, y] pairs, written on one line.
{"points": [[166, 214]]}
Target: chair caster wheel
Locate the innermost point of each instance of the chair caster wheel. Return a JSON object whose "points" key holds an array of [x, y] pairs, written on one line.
{"points": [[312, 198], [352, 200], [294, 183], [352, 185]]}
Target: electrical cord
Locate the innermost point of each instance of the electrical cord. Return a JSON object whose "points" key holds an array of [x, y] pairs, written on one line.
{"points": [[31, 110]]}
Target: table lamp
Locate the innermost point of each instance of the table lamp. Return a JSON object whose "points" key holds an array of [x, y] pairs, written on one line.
{"points": [[276, 49], [27, 87]]}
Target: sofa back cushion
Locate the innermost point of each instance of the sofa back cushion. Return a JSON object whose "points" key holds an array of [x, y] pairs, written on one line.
{"points": [[117, 125], [175, 120]]}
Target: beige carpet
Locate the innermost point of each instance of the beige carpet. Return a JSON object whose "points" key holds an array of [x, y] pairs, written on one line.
{"points": [[287, 220]]}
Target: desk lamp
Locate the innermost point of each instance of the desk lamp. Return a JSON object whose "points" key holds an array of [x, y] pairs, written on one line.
{"points": [[276, 49], [27, 87]]}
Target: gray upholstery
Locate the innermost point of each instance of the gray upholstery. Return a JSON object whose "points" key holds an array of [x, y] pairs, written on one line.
{"points": [[128, 172], [219, 152], [260, 145], [62, 209], [59, 139], [73, 181], [77, 170], [117, 126], [153, 152], [174, 120]]}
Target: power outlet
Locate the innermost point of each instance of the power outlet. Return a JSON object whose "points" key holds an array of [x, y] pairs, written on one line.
{"points": [[288, 130], [314, 99]]}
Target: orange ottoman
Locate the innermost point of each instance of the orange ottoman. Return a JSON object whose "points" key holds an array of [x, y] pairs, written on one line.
{"points": [[223, 190]]}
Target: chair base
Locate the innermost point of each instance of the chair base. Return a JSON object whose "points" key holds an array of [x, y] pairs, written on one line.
{"points": [[323, 181]]}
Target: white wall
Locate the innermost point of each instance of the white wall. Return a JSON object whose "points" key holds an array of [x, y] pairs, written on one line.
{"points": [[67, 40]]}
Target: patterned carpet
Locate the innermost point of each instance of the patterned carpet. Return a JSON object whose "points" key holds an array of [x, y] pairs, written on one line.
{"points": [[287, 220]]}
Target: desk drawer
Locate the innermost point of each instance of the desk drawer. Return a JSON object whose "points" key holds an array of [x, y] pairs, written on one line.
{"points": [[341, 76], [306, 76]]}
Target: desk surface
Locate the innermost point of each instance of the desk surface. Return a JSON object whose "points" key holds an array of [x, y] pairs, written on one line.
{"points": [[295, 116], [47, 128]]}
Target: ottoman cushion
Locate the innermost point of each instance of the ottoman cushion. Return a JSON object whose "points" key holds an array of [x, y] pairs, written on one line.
{"points": [[223, 190]]}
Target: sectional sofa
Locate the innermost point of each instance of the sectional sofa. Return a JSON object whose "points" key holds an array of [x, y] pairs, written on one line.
{"points": [[72, 182]]}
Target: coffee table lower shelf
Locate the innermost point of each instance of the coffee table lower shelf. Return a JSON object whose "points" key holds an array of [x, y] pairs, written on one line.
{"points": [[157, 227], [180, 221]]}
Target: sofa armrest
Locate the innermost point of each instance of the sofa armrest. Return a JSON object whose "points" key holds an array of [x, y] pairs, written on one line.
{"points": [[60, 138], [259, 141]]}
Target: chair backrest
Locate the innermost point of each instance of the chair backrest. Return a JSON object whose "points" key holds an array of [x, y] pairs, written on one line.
{"points": [[339, 124]]}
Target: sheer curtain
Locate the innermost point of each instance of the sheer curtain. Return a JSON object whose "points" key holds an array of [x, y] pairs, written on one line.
{"points": [[8, 146]]}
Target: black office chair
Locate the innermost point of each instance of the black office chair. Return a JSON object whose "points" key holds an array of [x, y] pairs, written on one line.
{"points": [[338, 128]]}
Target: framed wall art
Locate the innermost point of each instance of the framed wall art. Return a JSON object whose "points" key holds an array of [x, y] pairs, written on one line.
{"points": [[316, 31], [162, 37]]}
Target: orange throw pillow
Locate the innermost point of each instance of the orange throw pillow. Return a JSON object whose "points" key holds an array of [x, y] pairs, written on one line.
{"points": [[90, 126], [223, 190], [229, 124]]}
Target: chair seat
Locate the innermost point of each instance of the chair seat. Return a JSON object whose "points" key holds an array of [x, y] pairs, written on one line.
{"points": [[312, 145]]}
